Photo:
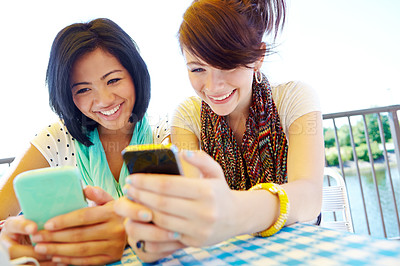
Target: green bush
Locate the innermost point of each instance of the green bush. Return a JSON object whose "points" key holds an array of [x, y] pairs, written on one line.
{"points": [[332, 157], [362, 151]]}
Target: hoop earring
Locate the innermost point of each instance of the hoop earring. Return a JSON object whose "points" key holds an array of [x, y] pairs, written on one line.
{"points": [[258, 76]]}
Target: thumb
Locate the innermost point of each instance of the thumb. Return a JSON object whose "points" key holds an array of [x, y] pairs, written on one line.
{"points": [[97, 195], [207, 166]]}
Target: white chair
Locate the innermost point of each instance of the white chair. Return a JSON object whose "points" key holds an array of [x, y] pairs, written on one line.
{"points": [[335, 204]]}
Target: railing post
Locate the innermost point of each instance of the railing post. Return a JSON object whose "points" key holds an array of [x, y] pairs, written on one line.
{"points": [[395, 130], [353, 146]]}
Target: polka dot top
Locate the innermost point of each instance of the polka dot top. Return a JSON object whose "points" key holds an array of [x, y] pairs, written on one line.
{"points": [[56, 145]]}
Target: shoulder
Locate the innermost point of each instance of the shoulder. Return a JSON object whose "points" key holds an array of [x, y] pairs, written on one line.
{"points": [[189, 109], [295, 93], [293, 100], [56, 144], [190, 104], [187, 115]]}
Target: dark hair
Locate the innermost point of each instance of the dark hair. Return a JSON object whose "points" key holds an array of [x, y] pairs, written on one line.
{"points": [[228, 33], [77, 40]]}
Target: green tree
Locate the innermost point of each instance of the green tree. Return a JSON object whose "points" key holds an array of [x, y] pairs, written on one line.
{"points": [[344, 136], [373, 129], [329, 137]]}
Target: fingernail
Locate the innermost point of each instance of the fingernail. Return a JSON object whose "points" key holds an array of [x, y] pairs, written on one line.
{"points": [[189, 153], [56, 259], [128, 181], [144, 215], [49, 226], [40, 249], [30, 228], [174, 235], [124, 190]]}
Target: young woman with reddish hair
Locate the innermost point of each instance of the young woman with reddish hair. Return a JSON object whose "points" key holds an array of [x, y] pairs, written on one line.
{"points": [[258, 148]]}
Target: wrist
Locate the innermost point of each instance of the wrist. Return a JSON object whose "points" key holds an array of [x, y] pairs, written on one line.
{"points": [[283, 207], [257, 210]]}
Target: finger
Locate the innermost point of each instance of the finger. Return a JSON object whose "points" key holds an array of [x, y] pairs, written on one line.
{"points": [[51, 263], [208, 167], [74, 249], [102, 231], [84, 216], [170, 185], [19, 225], [172, 205], [149, 232], [183, 227], [16, 250], [97, 195], [151, 252], [132, 210], [87, 260]]}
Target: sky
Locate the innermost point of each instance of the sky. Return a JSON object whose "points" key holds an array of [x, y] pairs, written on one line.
{"points": [[347, 50]]}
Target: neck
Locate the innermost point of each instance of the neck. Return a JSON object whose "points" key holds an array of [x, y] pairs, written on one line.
{"points": [[240, 114], [116, 139]]}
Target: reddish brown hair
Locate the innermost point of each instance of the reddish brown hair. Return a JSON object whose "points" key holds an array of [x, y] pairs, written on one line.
{"points": [[228, 33]]}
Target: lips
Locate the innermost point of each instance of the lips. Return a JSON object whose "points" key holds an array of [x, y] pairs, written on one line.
{"points": [[112, 111], [223, 98]]}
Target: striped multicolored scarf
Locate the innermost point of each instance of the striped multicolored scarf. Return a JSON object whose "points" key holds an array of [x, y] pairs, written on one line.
{"points": [[263, 154]]}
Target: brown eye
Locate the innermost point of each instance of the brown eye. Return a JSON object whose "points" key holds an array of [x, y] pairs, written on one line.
{"points": [[80, 91], [112, 81]]}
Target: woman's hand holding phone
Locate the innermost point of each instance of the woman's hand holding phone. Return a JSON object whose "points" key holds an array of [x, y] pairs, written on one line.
{"points": [[185, 211], [93, 235], [15, 238]]}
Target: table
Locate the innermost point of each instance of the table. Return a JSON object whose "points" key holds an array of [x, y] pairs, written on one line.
{"points": [[298, 244]]}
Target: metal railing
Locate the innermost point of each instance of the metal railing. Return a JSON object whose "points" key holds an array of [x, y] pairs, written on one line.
{"points": [[391, 112], [7, 160]]}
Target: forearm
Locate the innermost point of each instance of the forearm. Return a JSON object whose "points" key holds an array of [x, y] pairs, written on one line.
{"points": [[305, 198], [29, 160], [8, 202], [259, 210]]}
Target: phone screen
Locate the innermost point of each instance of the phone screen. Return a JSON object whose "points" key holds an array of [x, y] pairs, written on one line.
{"points": [[157, 161]]}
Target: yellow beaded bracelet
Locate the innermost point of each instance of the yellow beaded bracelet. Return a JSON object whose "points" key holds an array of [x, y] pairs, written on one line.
{"points": [[283, 209]]}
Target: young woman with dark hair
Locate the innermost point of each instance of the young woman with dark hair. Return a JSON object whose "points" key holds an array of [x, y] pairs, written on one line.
{"points": [[261, 145], [99, 86]]}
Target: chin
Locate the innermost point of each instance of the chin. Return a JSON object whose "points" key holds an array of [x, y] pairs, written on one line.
{"points": [[221, 112]]}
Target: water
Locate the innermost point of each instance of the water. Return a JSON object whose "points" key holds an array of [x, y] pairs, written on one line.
{"points": [[371, 201]]}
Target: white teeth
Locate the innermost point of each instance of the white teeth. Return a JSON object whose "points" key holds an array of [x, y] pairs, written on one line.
{"points": [[112, 111], [222, 97]]}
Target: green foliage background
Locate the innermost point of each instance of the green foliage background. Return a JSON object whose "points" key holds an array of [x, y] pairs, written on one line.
{"points": [[358, 131]]}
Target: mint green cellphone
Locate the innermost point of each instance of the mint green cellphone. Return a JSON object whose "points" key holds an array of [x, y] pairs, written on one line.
{"points": [[48, 192]]}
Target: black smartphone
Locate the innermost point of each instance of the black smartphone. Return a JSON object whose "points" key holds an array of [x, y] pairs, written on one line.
{"points": [[152, 158]]}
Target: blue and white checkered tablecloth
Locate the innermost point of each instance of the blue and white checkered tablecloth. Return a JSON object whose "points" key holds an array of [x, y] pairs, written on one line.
{"points": [[297, 244]]}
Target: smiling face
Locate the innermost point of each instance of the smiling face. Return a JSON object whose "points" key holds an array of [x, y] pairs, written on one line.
{"points": [[227, 92], [103, 90]]}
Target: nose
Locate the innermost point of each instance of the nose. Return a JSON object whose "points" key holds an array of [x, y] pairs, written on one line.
{"points": [[104, 97], [215, 80]]}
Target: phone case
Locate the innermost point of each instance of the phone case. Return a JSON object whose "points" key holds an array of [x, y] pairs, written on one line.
{"points": [[152, 158], [49, 192]]}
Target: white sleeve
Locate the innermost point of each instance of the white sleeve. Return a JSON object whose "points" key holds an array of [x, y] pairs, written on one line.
{"points": [[293, 100], [56, 145], [187, 115]]}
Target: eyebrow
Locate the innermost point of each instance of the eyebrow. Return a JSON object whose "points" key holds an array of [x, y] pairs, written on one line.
{"points": [[195, 63], [102, 78]]}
